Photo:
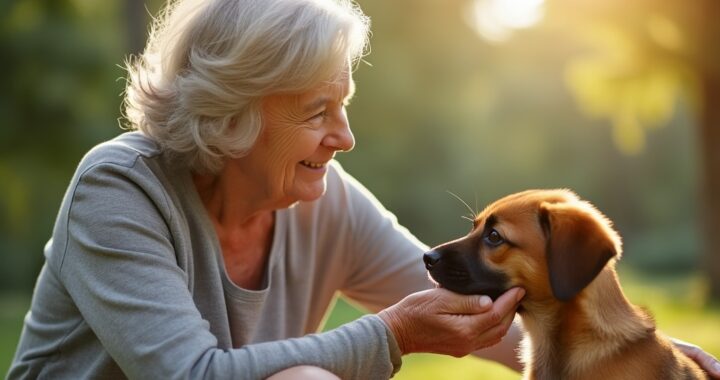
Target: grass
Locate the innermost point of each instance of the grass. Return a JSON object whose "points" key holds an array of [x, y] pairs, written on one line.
{"points": [[677, 302], [12, 311]]}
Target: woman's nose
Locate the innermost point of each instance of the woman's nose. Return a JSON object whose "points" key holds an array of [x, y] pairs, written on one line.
{"points": [[340, 136]]}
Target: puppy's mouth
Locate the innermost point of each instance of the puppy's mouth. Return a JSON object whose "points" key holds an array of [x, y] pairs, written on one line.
{"points": [[313, 165], [465, 276], [473, 288]]}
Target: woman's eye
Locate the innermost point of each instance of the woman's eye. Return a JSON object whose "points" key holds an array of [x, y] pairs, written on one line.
{"points": [[322, 114], [494, 239]]}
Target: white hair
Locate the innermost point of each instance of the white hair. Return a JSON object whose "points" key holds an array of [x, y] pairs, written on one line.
{"points": [[197, 87]]}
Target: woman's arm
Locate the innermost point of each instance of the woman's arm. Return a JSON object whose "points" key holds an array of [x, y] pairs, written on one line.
{"points": [[117, 263]]}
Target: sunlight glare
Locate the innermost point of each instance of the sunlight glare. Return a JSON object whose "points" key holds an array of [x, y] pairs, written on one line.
{"points": [[495, 20]]}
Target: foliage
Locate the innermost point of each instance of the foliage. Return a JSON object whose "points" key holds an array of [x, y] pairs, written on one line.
{"points": [[60, 98], [636, 66], [483, 120]]}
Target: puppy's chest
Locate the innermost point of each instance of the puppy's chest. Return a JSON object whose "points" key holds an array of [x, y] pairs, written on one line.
{"points": [[549, 359], [540, 358]]}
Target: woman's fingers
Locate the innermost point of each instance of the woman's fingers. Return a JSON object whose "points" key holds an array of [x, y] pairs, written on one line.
{"points": [[504, 306], [444, 322], [486, 328], [494, 334], [455, 303], [477, 304], [706, 361]]}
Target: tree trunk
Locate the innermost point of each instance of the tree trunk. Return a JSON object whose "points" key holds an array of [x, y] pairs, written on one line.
{"points": [[709, 141]]}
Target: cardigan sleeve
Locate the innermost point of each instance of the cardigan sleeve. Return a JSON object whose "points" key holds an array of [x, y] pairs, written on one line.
{"points": [[119, 267], [385, 259]]}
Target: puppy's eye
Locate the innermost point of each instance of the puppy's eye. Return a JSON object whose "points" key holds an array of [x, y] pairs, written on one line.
{"points": [[494, 239]]}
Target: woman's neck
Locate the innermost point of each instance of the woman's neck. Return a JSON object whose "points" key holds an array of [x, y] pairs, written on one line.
{"points": [[243, 222], [231, 200]]}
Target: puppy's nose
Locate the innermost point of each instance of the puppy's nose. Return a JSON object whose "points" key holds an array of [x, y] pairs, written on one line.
{"points": [[431, 258]]}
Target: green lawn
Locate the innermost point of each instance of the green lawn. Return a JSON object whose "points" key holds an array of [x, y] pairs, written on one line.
{"points": [[12, 310], [678, 304]]}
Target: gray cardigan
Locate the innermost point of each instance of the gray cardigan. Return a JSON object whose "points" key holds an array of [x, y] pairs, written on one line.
{"points": [[134, 283]]}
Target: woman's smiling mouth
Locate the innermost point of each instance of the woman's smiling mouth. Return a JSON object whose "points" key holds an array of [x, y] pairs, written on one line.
{"points": [[313, 165]]}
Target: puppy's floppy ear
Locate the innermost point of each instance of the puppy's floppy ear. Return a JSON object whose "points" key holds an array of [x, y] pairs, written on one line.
{"points": [[580, 241]]}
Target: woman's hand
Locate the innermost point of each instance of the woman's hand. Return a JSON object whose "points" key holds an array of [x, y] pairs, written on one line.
{"points": [[442, 322], [706, 361]]}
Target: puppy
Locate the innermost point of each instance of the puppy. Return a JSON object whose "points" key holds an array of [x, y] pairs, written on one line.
{"points": [[578, 323]]}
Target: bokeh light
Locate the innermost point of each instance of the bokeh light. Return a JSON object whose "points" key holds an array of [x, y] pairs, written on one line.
{"points": [[496, 20]]}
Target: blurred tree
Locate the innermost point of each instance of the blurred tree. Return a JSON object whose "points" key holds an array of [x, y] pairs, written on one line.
{"points": [[709, 68], [649, 57], [136, 25], [57, 100]]}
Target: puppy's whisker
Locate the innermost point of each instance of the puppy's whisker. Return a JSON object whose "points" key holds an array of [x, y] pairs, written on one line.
{"points": [[468, 218], [474, 213], [476, 203]]}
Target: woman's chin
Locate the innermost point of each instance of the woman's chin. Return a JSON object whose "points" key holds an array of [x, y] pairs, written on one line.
{"points": [[304, 196], [310, 191], [311, 196]]}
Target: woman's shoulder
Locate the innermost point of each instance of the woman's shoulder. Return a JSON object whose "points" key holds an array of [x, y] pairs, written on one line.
{"points": [[128, 160], [123, 150]]}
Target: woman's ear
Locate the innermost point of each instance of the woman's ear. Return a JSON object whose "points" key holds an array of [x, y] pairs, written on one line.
{"points": [[580, 241]]}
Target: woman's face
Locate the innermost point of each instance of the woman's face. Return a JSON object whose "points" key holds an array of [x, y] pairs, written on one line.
{"points": [[300, 135]]}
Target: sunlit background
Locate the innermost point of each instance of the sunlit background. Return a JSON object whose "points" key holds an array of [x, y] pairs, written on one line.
{"points": [[617, 100], [496, 20]]}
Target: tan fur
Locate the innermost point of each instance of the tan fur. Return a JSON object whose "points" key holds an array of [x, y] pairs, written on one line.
{"points": [[596, 334]]}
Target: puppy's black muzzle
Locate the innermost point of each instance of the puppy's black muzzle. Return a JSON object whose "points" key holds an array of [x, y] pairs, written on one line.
{"points": [[431, 258], [462, 271]]}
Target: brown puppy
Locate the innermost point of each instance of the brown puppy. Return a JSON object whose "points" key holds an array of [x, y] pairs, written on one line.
{"points": [[562, 250]]}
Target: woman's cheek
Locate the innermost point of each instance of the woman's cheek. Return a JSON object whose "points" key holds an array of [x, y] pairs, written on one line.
{"points": [[283, 147]]}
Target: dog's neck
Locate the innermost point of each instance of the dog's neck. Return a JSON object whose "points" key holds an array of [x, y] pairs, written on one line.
{"points": [[567, 340]]}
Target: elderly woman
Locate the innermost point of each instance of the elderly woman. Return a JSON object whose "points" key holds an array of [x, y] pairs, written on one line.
{"points": [[210, 242]]}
